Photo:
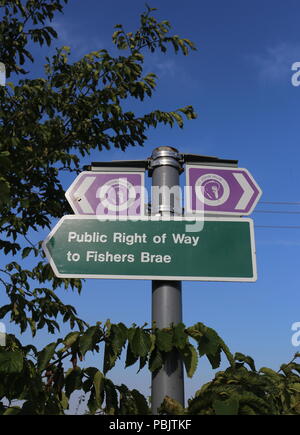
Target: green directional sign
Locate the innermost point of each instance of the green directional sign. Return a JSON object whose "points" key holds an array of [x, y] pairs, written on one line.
{"points": [[216, 249]]}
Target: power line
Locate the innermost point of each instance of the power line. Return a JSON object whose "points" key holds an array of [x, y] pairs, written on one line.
{"points": [[278, 212]]}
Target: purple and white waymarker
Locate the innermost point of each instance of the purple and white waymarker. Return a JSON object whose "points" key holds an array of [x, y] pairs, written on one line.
{"points": [[220, 190], [107, 193]]}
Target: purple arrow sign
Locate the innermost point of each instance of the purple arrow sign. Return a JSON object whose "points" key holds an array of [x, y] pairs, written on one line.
{"points": [[221, 190], [107, 193]]}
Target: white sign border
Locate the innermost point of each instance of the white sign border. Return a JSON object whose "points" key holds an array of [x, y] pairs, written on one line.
{"points": [[190, 211], [155, 277]]}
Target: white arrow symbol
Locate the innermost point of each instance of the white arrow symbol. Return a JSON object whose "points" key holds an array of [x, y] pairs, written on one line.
{"points": [[79, 195], [248, 191]]}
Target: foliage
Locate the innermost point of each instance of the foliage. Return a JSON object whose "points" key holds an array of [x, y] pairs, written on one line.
{"points": [[46, 124], [243, 390], [23, 22], [39, 383]]}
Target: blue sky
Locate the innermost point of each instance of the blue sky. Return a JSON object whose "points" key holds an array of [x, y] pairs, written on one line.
{"points": [[239, 82]]}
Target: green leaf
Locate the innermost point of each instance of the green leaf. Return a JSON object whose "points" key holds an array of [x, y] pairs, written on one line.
{"points": [[110, 358], [178, 119], [87, 340], [99, 387], [26, 252], [140, 342], [11, 362], [114, 344], [111, 397], [171, 407], [64, 401], [180, 337], [245, 359], [69, 340], [155, 360], [45, 355], [4, 191], [131, 358], [143, 361], [73, 380], [164, 340], [260, 405], [190, 359], [4, 310], [118, 336], [226, 407], [214, 359], [269, 372], [140, 402], [209, 344], [88, 375], [295, 387]]}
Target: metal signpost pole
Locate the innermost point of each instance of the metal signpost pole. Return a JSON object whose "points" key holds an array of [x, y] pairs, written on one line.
{"points": [[166, 295]]}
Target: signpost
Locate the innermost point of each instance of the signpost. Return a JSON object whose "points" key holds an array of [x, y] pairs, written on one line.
{"points": [[107, 193], [220, 190], [111, 237]]}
